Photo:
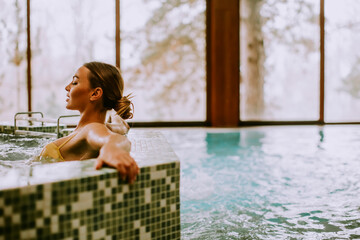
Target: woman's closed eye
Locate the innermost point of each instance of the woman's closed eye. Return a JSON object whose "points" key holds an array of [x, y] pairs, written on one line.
{"points": [[75, 80]]}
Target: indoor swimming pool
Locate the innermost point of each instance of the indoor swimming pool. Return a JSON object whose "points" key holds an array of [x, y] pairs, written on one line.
{"points": [[295, 182]]}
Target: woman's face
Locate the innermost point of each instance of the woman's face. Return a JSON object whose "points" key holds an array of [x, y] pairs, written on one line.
{"points": [[79, 90]]}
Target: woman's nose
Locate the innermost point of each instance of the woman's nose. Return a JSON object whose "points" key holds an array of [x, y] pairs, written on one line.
{"points": [[67, 88]]}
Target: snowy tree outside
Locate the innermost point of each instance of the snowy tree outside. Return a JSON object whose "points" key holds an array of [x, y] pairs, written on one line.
{"points": [[280, 60], [65, 35], [342, 60], [163, 56], [13, 58]]}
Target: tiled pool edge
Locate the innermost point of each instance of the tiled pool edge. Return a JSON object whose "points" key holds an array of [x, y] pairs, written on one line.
{"points": [[46, 129], [100, 205]]}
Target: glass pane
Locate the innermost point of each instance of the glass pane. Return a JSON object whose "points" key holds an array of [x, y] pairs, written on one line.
{"points": [[342, 61], [163, 58], [279, 47], [66, 34], [13, 97]]}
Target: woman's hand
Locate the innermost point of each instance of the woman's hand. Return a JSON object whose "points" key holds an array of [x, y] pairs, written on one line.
{"points": [[114, 151], [121, 160]]}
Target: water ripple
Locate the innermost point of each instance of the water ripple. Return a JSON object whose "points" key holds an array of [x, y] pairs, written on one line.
{"points": [[270, 182]]}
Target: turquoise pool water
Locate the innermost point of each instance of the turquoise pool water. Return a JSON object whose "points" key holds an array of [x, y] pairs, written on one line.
{"points": [[16, 153], [298, 182], [20, 147]]}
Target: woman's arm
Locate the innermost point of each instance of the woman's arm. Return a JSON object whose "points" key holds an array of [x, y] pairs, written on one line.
{"points": [[114, 150]]}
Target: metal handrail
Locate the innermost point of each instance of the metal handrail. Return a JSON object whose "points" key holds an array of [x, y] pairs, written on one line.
{"points": [[42, 120], [21, 113], [58, 122]]}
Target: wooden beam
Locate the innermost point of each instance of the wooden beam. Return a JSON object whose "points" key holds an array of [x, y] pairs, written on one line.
{"points": [[223, 59], [28, 54], [322, 63], [117, 32]]}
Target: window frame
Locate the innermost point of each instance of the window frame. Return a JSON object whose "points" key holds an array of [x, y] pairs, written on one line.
{"points": [[222, 96]]}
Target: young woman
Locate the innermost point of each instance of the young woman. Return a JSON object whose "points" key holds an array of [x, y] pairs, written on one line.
{"points": [[96, 88]]}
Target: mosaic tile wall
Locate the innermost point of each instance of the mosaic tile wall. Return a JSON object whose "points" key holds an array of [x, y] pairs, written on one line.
{"points": [[98, 205]]}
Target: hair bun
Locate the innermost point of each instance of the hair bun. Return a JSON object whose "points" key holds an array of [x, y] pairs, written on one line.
{"points": [[124, 107]]}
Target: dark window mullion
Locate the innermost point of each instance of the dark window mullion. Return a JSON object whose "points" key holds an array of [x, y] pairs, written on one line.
{"points": [[28, 54], [117, 32], [322, 63]]}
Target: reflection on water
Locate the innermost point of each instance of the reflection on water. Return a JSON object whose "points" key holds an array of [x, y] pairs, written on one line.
{"points": [[17, 153], [18, 147], [254, 183], [269, 183]]}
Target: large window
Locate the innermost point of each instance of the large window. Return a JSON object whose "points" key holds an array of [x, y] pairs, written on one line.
{"points": [[162, 53], [66, 34], [13, 97], [342, 61], [163, 58], [279, 49]]}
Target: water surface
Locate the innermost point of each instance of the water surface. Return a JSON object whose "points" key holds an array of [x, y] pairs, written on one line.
{"points": [[254, 183], [298, 182]]}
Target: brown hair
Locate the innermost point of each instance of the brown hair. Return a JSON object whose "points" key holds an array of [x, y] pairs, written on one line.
{"points": [[109, 79]]}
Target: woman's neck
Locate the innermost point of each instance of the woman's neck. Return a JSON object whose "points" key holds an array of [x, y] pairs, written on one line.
{"points": [[87, 117]]}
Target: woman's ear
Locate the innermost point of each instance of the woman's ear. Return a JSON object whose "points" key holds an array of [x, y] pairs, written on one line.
{"points": [[96, 94]]}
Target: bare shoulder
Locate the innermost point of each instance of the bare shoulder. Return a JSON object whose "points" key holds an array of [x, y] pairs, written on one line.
{"points": [[97, 135], [94, 128]]}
